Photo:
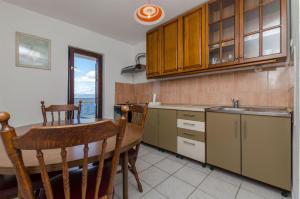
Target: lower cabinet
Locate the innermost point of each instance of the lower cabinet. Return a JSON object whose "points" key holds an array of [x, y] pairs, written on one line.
{"points": [[266, 149], [258, 147], [167, 130], [223, 141], [151, 127]]}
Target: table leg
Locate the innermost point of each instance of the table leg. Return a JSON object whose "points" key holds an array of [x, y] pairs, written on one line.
{"points": [[125, 175]]}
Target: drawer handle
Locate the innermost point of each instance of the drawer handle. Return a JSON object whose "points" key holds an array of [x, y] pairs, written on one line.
{"points": [[189, 143], [188, 115], [190, 134], [189, 124]]}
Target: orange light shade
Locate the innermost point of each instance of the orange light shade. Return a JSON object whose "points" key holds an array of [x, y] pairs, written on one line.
{"points": [[149, 14]]}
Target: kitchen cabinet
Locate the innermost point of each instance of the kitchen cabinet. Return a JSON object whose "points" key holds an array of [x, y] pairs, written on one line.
{"points": [[263, 30], [223, 38], [153, 53], [266, 149], [167, 130], [151, 128], [193, 38], [219, 35], [223, 148], [170, 47]]}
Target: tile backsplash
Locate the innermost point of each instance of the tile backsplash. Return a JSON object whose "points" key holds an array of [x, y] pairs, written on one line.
{"points": [[266, 88]]}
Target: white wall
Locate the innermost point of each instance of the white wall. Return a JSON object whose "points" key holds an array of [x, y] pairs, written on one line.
{"points": [[140, 77], [295, 7], [21, 89]]}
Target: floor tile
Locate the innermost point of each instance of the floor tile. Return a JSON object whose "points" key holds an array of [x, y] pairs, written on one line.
{"points": [[261, 189], [227, 176], [190, 175], [244, 194], [198, 194], [153, 158], [141, 165], [199, 167], [218, 188], [175, 188], [144, 150], [168, 165], [153, 176], [153, 194], [133, 192]]}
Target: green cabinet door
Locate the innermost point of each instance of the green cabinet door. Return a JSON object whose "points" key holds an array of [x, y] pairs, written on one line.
{"points": [[266, 149], [223, 141], [151, 127], [167, 130]]}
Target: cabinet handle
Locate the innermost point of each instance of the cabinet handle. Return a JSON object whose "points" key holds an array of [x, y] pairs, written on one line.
{"points": [[190, 134], [188, 143], [236, 129], [245, 130], [189, 124], [188, 115]]}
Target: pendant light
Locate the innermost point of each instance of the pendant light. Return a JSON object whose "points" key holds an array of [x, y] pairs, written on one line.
{"points": [[149, 14]]}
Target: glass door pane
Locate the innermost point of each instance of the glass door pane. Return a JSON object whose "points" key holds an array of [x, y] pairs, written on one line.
{"points": [[251, 21], [214, 54], [251, 46], [228, 29], [85, 84], [214, 11], [271, 13], [271, 41], [228, 51], [250, 4], [228, 8], [214, 33]]}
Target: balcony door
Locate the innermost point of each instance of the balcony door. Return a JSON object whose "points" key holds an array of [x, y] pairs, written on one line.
{"points": [[85, 82]]}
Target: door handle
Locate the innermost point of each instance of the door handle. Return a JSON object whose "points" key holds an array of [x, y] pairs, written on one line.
{"points": [[190, 134], [245, 130], [188, 143], [236, 129], [189, 115], [189, 124]]}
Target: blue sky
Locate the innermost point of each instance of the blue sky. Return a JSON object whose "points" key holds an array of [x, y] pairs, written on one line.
{"points": [[84, 75]]}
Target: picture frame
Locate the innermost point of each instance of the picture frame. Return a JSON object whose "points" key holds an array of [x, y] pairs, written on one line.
{"points": [[33, 51]]}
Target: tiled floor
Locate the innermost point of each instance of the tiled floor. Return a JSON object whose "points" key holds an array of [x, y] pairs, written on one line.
{"points": [[165, 176]]}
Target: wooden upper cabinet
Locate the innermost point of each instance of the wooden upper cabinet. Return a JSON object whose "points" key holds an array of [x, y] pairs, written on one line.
{"points": [[170, 47], [223, 27], [263, 30], [193, 38], [153, 53]]}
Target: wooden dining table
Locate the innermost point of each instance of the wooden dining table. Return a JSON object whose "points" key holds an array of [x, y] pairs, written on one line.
{"points": [[133, 135]]}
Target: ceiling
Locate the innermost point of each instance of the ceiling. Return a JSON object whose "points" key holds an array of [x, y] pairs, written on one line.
{"points": [[113, 18]]}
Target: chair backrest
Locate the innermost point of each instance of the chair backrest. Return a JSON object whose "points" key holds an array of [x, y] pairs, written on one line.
{"points": [[138, 114], [68, 110], [58, 137]]}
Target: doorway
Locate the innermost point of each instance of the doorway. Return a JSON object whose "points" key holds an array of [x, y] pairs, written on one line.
{"points": [[85, 82]]}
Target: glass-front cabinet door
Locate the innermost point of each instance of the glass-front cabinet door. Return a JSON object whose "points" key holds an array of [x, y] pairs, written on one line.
{"points": [[222, 32], [263, 30]]}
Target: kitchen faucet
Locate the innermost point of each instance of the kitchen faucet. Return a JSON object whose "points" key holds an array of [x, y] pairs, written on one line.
{"points": [[235, 103]]}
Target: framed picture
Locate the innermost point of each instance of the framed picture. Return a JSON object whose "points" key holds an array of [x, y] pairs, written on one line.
{"points": [[33, 51]]}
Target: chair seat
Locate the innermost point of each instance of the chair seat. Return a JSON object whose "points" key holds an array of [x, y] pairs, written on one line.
{"points": [[75, 184], [9, 184]]}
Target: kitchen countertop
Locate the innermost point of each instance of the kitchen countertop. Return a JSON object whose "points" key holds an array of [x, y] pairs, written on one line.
{"points": [[199, 108]]}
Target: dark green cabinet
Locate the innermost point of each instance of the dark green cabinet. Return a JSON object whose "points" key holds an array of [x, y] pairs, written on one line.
{"points": [[167, 130], [151, 128]]}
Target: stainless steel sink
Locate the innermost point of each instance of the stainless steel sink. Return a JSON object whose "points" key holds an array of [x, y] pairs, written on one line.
{"points": [[233, 109], [252, 111]]}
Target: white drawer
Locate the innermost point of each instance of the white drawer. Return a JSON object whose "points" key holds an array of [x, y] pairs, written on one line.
{"points": [[191, 125], [191, 148]]}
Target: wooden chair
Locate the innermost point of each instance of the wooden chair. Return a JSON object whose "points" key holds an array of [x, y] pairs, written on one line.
{"points": [[58, 137], [138, 116], [68, 109]]}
